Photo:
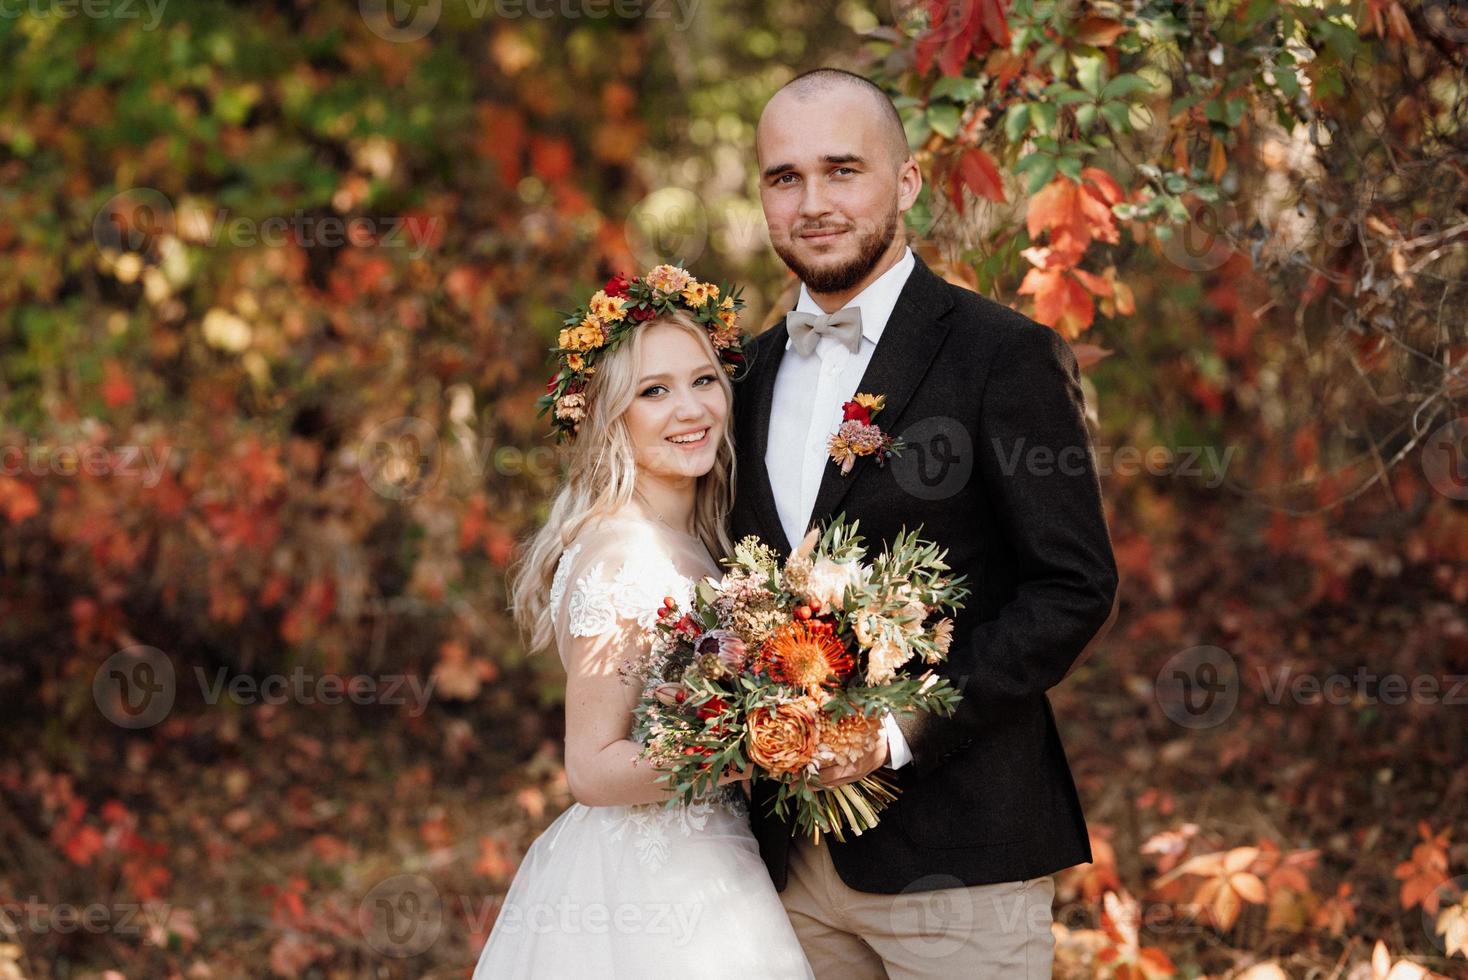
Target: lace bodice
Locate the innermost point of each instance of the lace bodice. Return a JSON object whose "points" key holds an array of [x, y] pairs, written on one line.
{"points": [[607, 588]]}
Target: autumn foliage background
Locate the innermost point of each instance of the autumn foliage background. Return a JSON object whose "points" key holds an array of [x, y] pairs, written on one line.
{"points": [[256, 449]]}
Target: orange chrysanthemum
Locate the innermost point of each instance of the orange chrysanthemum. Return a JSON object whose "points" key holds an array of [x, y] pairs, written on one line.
{"points": [[806, 654]]}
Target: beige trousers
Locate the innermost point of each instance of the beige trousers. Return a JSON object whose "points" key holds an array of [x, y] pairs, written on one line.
{"points": [[999, 931]]}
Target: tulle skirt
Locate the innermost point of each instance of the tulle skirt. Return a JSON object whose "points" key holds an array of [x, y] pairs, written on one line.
{"points": [[627, 893]]}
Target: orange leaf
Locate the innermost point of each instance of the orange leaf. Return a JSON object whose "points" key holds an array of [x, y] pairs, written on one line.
{"points": [[1060, 301], [1425, 870], [1099, 31]]}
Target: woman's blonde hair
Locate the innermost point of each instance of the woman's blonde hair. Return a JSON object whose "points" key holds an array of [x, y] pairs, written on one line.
{"points": [[601, 476]]}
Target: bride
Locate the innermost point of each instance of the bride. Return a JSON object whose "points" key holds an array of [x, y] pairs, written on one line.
{"points": [[620, 885]]}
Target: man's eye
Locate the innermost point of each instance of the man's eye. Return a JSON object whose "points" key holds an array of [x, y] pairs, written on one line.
{"points": [[781, 179], [845, 170]]}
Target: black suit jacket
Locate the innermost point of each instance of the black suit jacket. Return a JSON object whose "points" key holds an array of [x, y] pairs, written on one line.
{"points": [[1000, 471]]}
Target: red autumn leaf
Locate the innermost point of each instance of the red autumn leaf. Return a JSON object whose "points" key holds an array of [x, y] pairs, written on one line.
{"points": [[977, 172], [84, 844], [17, 500], [117, 390], [493, 862], [958, 29], [551, 158], [424, 230], [502, 139]]}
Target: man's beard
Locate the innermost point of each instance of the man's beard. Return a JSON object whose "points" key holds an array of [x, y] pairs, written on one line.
{"points": [[838, 279]]}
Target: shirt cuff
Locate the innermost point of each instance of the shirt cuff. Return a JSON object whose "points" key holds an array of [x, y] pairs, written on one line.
{"points": [[898, 754]]}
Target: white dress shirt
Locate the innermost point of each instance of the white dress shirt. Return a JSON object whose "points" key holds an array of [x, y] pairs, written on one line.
{"points": [[806, 410]]}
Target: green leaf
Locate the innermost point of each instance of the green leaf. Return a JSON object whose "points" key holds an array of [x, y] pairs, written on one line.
{"points": [[943, 119], [1016, 121], [917, 128], [1043, 114], [1070, 166], [959, 89], [1185, 103], [1088, 73], [1086, 116], [1287, 80], [1028, 162], [1123, 85], [1118, 114], [1042, 175]]}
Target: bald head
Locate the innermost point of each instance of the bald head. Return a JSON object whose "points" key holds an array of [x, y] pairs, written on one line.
{"points": [[845, 92]]}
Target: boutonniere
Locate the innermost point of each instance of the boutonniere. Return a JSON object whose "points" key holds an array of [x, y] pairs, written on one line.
{"points": [[860, 436]]}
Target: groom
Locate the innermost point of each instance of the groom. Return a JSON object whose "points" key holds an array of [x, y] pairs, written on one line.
{"points": [[956, 879]]}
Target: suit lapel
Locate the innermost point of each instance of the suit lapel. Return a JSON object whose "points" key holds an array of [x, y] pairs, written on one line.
{"points": [[909, 343], [753, 477]]}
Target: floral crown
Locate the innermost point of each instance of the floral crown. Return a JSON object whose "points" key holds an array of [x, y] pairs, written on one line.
{"points": [[603, 323]]}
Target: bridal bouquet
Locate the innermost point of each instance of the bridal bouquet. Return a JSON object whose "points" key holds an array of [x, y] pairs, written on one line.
{"points": [[790, 665]]}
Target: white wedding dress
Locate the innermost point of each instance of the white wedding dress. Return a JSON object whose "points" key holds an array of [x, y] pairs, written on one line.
{"points": [[633, 892]]}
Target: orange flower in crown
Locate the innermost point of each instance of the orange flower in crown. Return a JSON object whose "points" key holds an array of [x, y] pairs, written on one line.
{"points": [[613, 312]]}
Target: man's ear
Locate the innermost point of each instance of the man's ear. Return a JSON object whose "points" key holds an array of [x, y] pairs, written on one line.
{"points": [[909, 183]]}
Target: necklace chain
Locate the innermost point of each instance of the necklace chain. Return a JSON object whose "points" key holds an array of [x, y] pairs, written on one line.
{"points": [[658, 515]]}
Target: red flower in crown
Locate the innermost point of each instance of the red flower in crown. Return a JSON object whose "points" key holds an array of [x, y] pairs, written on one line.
{"points": [[601, 324]]}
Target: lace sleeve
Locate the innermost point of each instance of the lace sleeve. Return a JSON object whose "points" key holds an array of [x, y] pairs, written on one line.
{"points": [[610, 590]]}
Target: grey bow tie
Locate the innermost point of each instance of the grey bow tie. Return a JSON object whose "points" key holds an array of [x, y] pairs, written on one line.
{"points": [[806, 328]]}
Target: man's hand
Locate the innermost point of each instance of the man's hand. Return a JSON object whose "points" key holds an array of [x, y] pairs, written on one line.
{"points": [[874, 758]]}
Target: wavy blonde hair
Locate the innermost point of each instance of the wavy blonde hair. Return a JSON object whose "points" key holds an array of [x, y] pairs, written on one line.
{"points": [[601, 476]]}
